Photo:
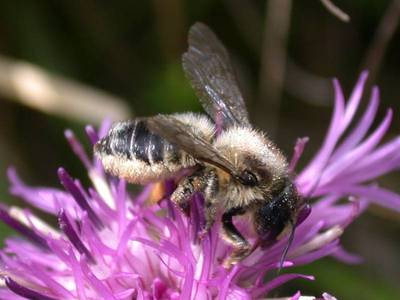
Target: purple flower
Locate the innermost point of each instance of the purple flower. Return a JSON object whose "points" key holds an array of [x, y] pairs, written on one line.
{"points": [[112, 245]]}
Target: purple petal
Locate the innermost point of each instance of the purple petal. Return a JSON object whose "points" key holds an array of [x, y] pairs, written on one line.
{"points": [[303, 214], [375, 194], [309, 257], [225, 285], [47, 199], [66, 227], [70, 186], [30, 252], [121, 205], [298, 151], [347, 257], [125, 237], [67, 256], [362, 128], [343, 163], [355, 99], [308, 230], [322, 157], [105, 210], [91, 134], [22, 229], [104, 127], [296, 296], [158, 288], [208, 256], [381, 161], [101, 288], [278, 281], [25, 292], [52, 284], [387, 150], [6, 294], [342, 215], [78, 149], [170, 251], [327, 296], [93, 240], [188, 283]]}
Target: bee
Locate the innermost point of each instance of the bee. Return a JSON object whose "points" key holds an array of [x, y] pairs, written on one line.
{"points": [[237, 168]]}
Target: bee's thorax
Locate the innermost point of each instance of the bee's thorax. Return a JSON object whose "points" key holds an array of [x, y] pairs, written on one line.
{"points": [[247, 148]]}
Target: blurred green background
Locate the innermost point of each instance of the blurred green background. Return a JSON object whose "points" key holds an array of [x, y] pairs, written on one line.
{"points": [[285, 53]]}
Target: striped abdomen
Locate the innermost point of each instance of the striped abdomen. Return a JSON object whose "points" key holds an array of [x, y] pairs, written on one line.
{"points": [[132, 152]]}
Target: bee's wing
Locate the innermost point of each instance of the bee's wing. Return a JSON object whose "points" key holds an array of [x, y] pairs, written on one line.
{"points": [[207, 65], [182, 135]]}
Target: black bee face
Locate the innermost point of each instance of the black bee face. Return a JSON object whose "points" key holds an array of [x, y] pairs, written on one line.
{"points": [[275, 214]]}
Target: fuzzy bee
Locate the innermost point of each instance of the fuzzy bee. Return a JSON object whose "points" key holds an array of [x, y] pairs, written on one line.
{"points": [[236, 167]]}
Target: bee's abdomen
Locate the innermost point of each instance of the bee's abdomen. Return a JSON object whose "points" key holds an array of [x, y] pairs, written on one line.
{"points": [[132, 140], [131, 151]]}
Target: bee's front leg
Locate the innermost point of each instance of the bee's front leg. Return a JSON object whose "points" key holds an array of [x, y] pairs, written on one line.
{"points": [[241, 247]]}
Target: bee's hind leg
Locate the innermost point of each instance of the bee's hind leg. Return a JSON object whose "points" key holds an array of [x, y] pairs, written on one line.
{"points": [[241, 247], [190, 185], [209, 191]]}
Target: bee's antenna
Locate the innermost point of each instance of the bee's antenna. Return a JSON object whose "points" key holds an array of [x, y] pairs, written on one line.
{"points": [[285, 252], [293, 229]]}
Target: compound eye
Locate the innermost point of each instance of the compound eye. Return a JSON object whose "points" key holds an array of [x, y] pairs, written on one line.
{"points": [[248, 178]]}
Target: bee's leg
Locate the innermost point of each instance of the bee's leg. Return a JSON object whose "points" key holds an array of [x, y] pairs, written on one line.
{"points": [[186, 189], [241, 247], [210, 191]]}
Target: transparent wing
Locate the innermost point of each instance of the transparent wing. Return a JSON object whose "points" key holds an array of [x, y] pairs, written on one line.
{"points": [[207, 66], [180, 134]]}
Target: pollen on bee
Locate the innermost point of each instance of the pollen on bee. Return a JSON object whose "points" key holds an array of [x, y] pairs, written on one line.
{"points": [[223, 176], [157, 193]]}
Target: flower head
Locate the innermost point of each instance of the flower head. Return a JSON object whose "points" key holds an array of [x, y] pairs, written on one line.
{"points": [[112, 245]]}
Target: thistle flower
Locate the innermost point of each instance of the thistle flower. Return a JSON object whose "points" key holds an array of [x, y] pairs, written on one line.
{"points": [[114, 246]]}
